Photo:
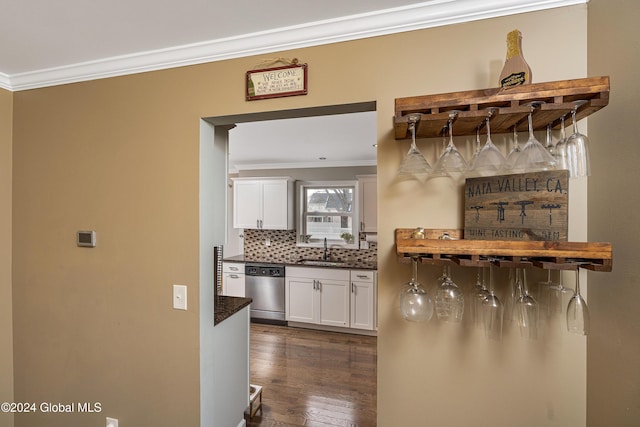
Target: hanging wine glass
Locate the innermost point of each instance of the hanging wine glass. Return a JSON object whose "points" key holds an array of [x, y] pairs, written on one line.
{"points": [[578, 312], [527, 310], [558, 294], [534, 156], [490, 160], [476, 149], [492, 311], [478, 295], [450, 161], [415, 303], [513, 294], [549, 142], [511, 158], [449, 301], [414, 165], [578, 160], [561, 148]]}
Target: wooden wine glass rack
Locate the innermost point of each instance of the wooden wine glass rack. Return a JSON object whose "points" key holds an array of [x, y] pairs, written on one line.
{"points": [[511, 108], [551, 255]]}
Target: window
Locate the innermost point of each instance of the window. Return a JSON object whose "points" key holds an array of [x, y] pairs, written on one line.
{"points": [[327, 210]]}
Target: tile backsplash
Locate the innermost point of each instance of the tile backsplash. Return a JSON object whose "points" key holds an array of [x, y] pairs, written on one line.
{"points": [[282, 246]]}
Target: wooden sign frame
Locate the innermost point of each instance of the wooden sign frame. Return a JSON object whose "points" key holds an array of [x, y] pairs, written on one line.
{"points": [[277, 82], [528, 206]]}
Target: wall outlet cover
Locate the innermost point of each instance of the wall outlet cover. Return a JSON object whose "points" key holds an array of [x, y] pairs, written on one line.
{"points": [[180, 297], [112, 422]]}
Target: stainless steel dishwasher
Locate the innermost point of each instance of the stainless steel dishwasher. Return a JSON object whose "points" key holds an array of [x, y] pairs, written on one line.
{"points": [[264, 283]]}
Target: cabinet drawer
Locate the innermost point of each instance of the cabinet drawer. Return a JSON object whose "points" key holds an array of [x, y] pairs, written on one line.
{"points": [[317, 273], [233, 267], [362, 275]]}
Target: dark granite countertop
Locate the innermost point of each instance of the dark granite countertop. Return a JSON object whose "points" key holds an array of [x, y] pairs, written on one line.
{"points": [[355, 265], [226, 307]]}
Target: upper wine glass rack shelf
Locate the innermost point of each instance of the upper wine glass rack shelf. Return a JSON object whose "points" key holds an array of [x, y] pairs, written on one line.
{"points": [[509, 107]]}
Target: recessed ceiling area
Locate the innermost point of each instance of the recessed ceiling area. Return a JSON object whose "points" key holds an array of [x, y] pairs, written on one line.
{"points": [[304, 142]]}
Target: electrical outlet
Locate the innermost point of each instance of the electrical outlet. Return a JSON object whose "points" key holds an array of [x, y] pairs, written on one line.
{"points": [[267, 242], [112, 422]]}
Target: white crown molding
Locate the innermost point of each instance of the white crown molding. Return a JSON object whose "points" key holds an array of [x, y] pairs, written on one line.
{"points": [[408, 18], [5, 82]]}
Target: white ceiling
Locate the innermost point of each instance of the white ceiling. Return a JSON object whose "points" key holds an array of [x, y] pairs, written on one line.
{"points": [[45, 43], [307, 142]]}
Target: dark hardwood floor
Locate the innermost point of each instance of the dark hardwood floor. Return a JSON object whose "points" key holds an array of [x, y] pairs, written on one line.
{"points": [[313, 378]]}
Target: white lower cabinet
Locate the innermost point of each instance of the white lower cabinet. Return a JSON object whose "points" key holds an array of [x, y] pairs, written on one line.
{"points": [[331, 297], [233, 279], [363, 300], [317, 295]]}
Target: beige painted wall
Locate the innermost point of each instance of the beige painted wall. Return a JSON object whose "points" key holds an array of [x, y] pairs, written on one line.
{"points": [[121, 155], [613, 351], [442, 374], [6, 323]]}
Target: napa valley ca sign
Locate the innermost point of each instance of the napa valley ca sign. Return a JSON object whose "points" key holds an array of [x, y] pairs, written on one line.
{"points": [[277, 82], [529, 206]]}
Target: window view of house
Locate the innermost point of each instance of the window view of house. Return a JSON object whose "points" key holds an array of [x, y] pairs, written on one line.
{"points": [[328, 212]]}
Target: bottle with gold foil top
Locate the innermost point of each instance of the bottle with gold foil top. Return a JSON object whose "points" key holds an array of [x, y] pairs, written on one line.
{"points": [[516, 71]]}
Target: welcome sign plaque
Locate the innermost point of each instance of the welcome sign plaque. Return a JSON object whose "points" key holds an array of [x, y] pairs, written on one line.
{"points": [[277, 82], [529, 206]]}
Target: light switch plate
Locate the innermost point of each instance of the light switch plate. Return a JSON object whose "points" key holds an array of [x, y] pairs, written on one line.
{"points": [[180, 297], [112, 422]]}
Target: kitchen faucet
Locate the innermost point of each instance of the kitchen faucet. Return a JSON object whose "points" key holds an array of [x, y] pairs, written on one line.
{"points": [[325, 257]]}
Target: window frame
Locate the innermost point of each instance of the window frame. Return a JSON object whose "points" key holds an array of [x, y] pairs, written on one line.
{"points": [[301, 213]]}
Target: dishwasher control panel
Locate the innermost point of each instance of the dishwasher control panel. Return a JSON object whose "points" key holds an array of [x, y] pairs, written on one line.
{"points": [[264, 270]]}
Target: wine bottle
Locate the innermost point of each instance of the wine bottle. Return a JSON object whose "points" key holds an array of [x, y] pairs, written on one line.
{"points": [[516, 71]]}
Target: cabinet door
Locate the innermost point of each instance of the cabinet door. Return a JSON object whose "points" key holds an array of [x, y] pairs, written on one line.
{"points": [[368, 204], [362, 305], [301, 301], [247, 204], [233, 285], [334, 302], [275, 205]]}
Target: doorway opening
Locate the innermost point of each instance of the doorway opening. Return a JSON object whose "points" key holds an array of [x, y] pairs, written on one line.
{"points": [[214, 190]]}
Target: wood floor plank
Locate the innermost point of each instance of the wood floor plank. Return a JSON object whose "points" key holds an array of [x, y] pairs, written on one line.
{"points": [[313, 378]]}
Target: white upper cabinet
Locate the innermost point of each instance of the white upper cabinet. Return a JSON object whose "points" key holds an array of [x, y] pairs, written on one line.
{"points": [[367, 189], [263, 203]]}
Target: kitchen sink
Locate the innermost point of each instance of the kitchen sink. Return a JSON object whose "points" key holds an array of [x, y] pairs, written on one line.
{"points": [[320, 262]]}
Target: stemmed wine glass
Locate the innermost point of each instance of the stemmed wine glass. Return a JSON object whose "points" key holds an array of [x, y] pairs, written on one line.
{"points": [[415, 303], [527, 310], [489, 160], [414, 165], [577, 311], [561, 148], [548, 142], [579, 163], [534, 156], [557, 294], [492, 311], [478, 294], [477, 146], [450, 160], [513, 155], [449, 301]]}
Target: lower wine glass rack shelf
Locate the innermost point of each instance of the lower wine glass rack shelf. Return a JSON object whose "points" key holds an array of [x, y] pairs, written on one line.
{"points": [[447, 247]]}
